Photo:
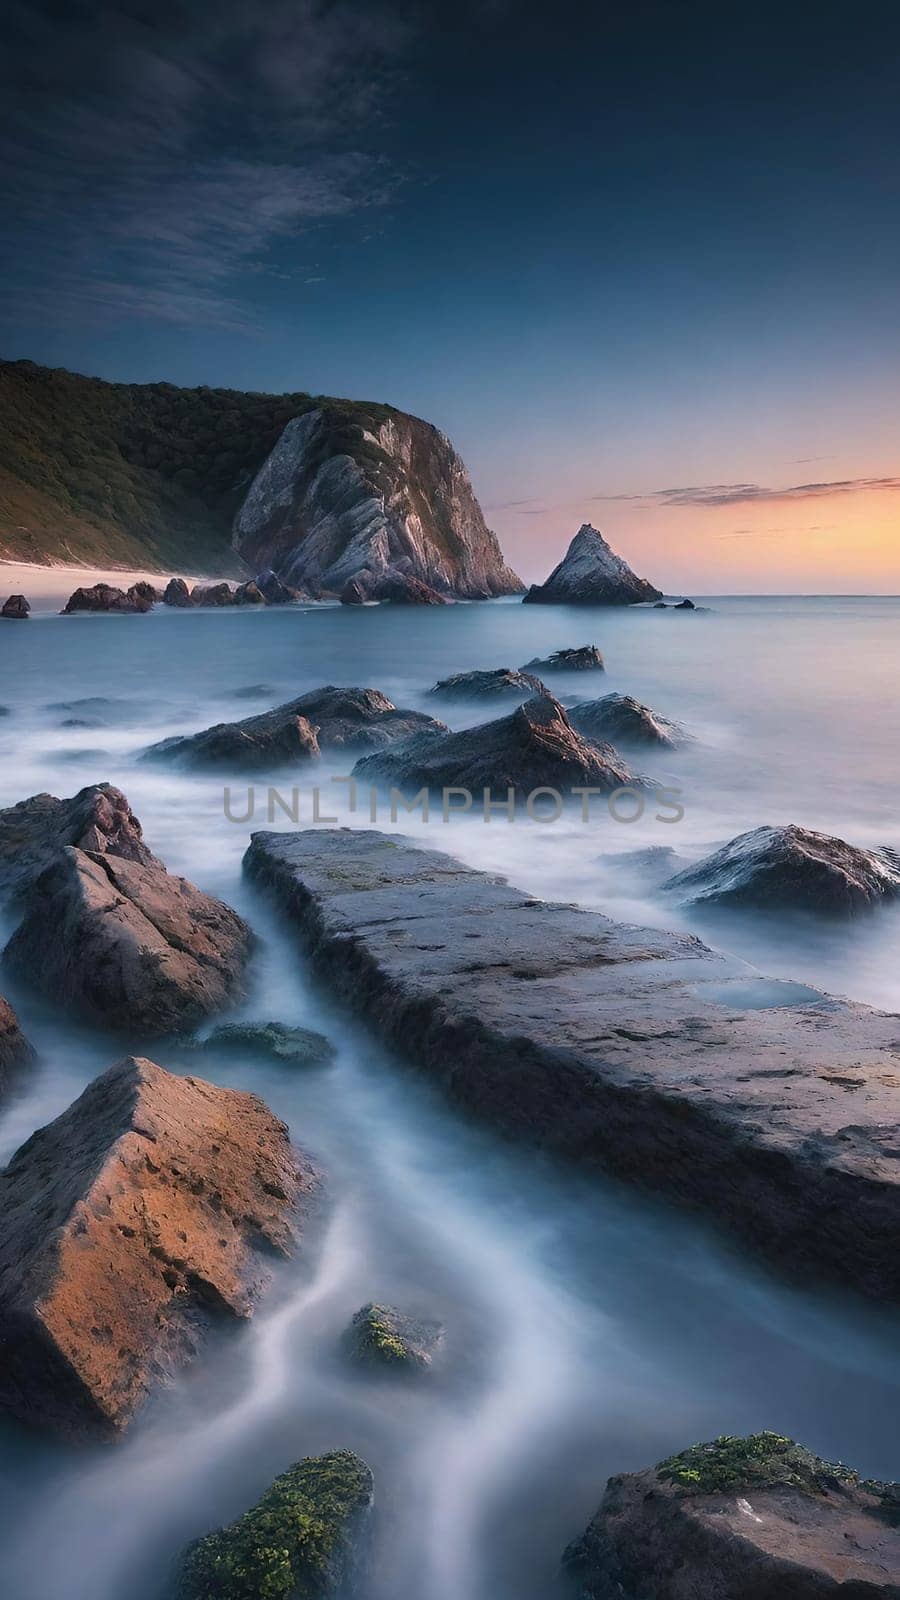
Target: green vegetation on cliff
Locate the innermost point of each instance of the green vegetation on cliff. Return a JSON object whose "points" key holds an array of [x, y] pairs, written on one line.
{"points": [[133, 475]]}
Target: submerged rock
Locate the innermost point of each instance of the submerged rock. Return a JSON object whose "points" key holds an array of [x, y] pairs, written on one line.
{"points": [[592, 574], [759, 1518], [382, 1336], [357, 491], [104, 597], [97, 819], [302, 1541], [624, 720], [789, 869], [534, 747], [581, 658], [212, 594], [16, 608], [302, 1047], [328, 718], [627, 1049], [145, 1210], [501, 683], [177, 593], [15, 1051], [128, 944]]}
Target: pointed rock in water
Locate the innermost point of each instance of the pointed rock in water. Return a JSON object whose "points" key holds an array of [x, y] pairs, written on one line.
{"points": [[213, 594], [684, 605], [16, 608], [382, 1336], [789, 869], [302, 1541], [98, 819], [129, 945], [580, 658], [503, 683], [177, 593], [143, 1212], [328, 718], [624, 720], [759, 1518], [535, 747], [300, 1046], [104, 597], [249, 594], [591, 574], [15, 1051], [364, 491]]}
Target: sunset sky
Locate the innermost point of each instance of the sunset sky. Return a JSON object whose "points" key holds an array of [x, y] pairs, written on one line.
{"points": [[641, 262]]}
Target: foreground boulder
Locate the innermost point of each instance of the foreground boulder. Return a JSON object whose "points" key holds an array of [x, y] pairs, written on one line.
{"points": [[302, 1541], [741, 1519], [503, 683], [129, 945], [324, 719], [98, 819], [364, 491], [104, 597], [143, 1212], [591, 574], [624, 720], [16, 608], [177, 593], [15, 1051], [534, 747], [581, 658], [632, 1050], [789, 869], [382, 1336]]}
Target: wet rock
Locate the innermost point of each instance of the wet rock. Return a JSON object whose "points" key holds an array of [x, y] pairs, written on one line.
{"points": [[503, 683], [759, 1518], [129, 945], [592, 574], [684, 605], [582, 658], [789, 869], [142, 590], [212, 594], [624, 720], [104, 597], [177, 593], [661, 605], [97, 819], [275, 592], [15, 1051], [355, 593], [628, 1049], [249, 594], [150, 1207], [328, 718], [402, 589], [644, 869], [382, 1336], [302, 1541], [534, 747], [16, 608], [302, 1047]]}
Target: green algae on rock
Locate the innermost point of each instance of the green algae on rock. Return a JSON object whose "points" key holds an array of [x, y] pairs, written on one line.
{"points": [[300, 1542], [383, 1336]]}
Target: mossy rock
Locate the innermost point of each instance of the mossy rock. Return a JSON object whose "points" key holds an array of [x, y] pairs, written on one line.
{"points": [[299, 1543], [301, 1046], [382, 1336], [730, 1465]]}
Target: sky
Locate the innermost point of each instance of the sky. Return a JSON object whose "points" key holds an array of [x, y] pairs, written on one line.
{"points": [[640, 261]]}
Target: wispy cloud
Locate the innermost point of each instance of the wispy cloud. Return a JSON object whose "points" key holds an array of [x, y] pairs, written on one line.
{"points": [[737, 494], [161, 153]]}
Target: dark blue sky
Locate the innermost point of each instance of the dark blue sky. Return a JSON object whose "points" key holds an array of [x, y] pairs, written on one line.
{"points": [[611, 249]]}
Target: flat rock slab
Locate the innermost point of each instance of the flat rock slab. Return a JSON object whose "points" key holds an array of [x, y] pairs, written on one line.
{"points": [[151, 1204], [615, 1045]]}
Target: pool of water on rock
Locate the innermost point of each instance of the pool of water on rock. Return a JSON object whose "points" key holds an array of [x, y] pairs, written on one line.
{"points": [[588, 1331]]}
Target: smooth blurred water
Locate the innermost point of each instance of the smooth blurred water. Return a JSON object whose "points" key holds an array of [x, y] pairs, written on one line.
{"points": [[588, 1331]]}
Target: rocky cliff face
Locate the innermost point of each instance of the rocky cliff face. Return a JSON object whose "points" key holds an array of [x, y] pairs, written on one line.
{"points": [[592, 574], [350, 494]]}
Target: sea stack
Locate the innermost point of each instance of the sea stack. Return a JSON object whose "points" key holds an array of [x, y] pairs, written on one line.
{"points": [[591, 574]]}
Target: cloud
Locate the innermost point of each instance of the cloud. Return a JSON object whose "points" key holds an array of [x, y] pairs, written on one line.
{"points": [[738, 494], [153, 157]]}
